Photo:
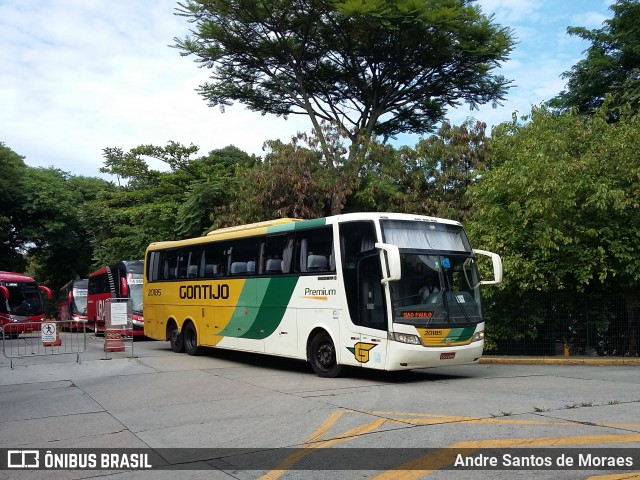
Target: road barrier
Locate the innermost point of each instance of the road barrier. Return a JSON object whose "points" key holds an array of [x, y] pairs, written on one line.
{"points": [[40, 339]]}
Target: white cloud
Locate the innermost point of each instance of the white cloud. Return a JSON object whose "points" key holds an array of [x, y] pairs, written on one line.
{"points": [[86, 75]]}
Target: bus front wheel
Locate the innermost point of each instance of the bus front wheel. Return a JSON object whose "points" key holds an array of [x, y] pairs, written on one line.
{"points": [[190, 339], [322, 355]]}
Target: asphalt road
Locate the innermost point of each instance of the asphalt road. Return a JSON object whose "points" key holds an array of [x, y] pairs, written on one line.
{"points": [[285, 422]]}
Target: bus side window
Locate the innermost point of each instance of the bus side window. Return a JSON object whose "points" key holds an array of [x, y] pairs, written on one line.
{"points": [[153, 266], [192, 263], [241, 253], [214, 256], [181, 268], [315, 251], [169, 265], [277, 254]]}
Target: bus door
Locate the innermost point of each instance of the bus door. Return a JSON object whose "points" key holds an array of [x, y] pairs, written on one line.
{"points": [[366, 337]]}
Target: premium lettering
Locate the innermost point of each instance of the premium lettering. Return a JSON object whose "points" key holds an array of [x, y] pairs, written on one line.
{"points": [[320, 291]]}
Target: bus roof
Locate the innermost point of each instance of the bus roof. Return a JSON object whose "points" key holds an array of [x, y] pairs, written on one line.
{"points": [[246, 229], [76, 282], [125, 263], [290, 224], [14, 277]]}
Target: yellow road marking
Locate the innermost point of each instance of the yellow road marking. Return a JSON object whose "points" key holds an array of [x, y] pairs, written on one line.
{"points": [[315, 441], [617, 476], [437, 418], [441, 458], [326, 425]]}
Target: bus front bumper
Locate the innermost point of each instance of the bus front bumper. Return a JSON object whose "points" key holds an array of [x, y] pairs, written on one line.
{"points": [[404, 356]]}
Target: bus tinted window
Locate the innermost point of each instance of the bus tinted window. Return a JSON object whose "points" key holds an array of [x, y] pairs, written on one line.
{"points": [[243, 257], [99, 284], [277, 255], [215, 260], [170, 265], [314, 251], [153, 271]]}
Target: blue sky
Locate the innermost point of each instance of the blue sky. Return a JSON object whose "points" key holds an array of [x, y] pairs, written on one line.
{"points": [[82, 75]]}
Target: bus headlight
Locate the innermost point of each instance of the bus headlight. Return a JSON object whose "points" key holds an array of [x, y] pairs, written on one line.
{"points": [[405, 338], [478, 336]]}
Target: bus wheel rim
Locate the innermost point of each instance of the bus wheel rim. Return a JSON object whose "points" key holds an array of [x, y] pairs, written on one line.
{"points": [[325, 356]]}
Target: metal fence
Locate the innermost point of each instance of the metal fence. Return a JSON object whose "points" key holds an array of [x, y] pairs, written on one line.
{"points": [[39, 339], [564, 324]]}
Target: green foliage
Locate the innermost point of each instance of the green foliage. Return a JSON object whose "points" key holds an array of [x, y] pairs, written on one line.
{"points": [[292, 181], [562, 206], [611, 66], [41, 213], [216, 184], [12, 172], [152, 205], [430, 179], [61, 248]]}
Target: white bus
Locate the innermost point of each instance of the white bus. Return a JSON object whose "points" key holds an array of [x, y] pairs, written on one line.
{"points": [[376, 290]]}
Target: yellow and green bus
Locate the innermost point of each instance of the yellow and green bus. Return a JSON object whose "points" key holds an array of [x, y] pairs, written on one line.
{"points": [[346, 290]]}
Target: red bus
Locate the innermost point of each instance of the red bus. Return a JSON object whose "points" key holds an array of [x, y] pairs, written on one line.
{"points": [[72, 307], [120, 280], [20, 303]]}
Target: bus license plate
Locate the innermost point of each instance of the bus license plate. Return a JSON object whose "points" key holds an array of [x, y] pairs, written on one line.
{"points": [[447, 355]]}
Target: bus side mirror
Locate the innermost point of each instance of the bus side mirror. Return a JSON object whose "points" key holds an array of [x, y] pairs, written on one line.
{"points": [[392, 255], [45, 290], [497, 267], [124, 287], [5, 291]]}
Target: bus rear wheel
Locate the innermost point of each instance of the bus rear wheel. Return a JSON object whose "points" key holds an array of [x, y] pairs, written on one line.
{"points": [[322, 355], [176, 340], [190, 339]]}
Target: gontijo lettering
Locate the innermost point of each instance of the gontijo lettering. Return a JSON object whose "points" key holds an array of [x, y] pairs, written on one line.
{"points": [[204, 292]]}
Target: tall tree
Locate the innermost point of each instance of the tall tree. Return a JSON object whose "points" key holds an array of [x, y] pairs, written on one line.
{"points": [[370, 67], [611, 66], [12, 172]]}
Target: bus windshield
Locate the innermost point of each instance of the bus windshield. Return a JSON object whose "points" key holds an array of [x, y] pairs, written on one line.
{"points": [[24, 299], [437, 290], [425, 235], [134, 280], [80, 300], [440, 282]]}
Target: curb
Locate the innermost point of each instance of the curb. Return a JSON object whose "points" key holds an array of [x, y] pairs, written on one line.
{"points": [[601, 361]]}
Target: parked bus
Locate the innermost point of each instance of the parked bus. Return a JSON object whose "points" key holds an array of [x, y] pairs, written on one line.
{"points": [[336, 291], [21, 304], [120, 280], [72, 306]]}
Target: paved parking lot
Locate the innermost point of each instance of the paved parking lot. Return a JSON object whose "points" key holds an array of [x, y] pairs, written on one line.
{"points": [[193, 410]]}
